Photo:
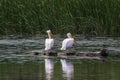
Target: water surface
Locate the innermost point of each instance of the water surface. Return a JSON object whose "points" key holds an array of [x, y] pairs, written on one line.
{"points": [[15, 65]]}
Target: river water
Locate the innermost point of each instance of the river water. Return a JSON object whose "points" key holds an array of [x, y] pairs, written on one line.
{"points": [[15, 65]]}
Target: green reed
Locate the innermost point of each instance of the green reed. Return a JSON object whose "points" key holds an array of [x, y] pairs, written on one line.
{"points": [[61, 16]]}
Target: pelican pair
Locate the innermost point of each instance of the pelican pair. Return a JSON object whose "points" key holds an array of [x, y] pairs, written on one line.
{"points": [[67, 43]]}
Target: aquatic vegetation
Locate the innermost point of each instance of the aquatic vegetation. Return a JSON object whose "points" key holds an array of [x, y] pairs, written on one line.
{"points": [[61, 16]]}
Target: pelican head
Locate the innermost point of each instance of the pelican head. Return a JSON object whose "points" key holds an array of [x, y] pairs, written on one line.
{"points": [[50, 35], [48, 31], [69, 35]]}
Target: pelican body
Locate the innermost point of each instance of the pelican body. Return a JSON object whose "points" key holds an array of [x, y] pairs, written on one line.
{"points": [[67, 43], [49, 43]]}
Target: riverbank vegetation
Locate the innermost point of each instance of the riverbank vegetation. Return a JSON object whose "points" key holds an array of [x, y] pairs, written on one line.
{"points": [[61, 16]]}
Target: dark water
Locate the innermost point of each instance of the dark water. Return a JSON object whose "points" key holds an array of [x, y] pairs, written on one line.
{"points": [[60, 69], [15, 65]]}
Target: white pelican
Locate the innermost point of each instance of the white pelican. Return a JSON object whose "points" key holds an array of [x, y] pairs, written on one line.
{"points": [[49, 42], [68, 42]]}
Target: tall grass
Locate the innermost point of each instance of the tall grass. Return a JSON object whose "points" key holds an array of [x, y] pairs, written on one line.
{"points": [[76, 16]]}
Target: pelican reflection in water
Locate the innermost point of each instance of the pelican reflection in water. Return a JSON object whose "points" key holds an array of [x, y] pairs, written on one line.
{"points": [[68, 69], [49, 68]]}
